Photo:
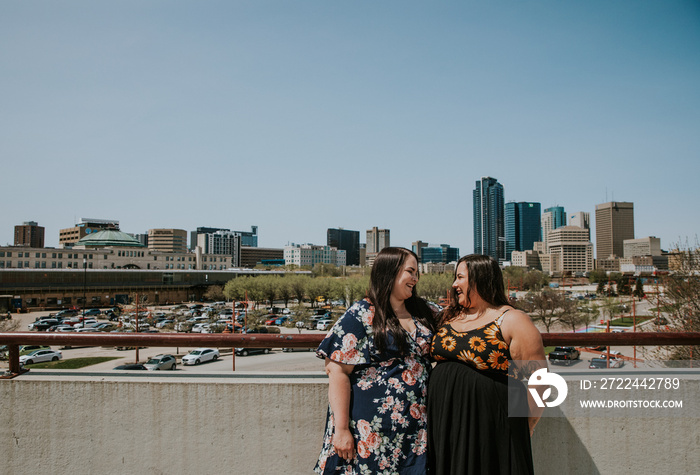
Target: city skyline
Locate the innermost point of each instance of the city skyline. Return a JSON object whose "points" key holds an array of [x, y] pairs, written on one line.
{"points": [[302, 117]]}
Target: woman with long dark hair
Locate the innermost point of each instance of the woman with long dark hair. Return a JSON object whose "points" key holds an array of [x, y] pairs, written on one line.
{"points": [[477, 338], [377, 364]]}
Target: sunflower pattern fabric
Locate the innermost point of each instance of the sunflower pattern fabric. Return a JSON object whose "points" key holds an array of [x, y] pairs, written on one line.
{"points": [[482, 348]]}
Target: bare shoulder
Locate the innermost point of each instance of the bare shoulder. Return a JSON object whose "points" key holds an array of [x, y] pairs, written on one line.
{"points": [[516, 322]]}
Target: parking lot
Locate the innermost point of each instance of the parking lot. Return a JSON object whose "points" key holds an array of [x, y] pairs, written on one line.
{"points": [[299, 360]]}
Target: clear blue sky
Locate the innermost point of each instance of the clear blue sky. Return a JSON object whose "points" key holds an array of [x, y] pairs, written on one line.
{"points": [[300, 116]]}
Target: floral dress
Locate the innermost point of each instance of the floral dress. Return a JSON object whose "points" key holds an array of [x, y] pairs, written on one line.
{"points": [[388, 398]]}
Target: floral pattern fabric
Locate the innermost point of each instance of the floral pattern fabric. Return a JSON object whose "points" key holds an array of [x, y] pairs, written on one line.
{"points": [[387, 408], [482, 348]]}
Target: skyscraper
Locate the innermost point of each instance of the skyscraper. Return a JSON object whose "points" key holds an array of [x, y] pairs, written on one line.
{"points": [[489, 219], [552, 218], [522, 226], [614, 222], [377, 239], [348, 241], [582, 220], [29, 234]]}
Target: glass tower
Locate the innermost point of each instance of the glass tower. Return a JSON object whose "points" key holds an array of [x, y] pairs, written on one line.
{"points": [[489, 219], [522, 226]]}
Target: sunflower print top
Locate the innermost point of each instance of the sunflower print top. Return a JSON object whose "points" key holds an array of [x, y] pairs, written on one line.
{"points": [[482, 348]]}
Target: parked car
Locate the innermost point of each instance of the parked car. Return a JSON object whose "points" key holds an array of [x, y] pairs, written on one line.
{"points": [[324, 324], [131, 367], [93, 312], [163, 323], [85, 323], [564, 354], [158, 362], [69, 312], [281, 320], [602, 362], [251, 351], [37, 356], [26, 349], [271, 319], [43, 325], [200, 327], [200, 355]]}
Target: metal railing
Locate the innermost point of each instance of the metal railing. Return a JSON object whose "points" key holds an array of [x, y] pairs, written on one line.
{"points": [[290, 340]]}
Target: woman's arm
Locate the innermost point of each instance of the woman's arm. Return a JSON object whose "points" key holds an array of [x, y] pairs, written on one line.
{"points": [[339, 398], [525, 345]]}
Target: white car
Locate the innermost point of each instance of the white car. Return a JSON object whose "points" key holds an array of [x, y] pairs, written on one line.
{"points": [[200, 355], [37, 356], [200, 327], [324, 324]]}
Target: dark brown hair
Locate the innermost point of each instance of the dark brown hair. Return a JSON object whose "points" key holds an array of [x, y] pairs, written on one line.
{"points": [[387, 265], [484, 277]]}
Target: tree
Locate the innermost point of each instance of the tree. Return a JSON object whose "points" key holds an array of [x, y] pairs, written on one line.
{"points": [[681, 299], [638, 289], [575, 317], [434, 286], [545, 307], [598, 276], [298, 286], [214, 292]]}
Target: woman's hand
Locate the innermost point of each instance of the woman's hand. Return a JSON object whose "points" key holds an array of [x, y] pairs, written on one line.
{"points": [[344, 443], [339, 398]]}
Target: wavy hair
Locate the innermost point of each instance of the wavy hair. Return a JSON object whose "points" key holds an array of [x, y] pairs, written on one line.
{"points": [[387, 265], [484, 277]]}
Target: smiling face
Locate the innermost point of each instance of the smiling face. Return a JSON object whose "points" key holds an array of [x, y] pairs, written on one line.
{"points": [[406, 279], [461, 285]]}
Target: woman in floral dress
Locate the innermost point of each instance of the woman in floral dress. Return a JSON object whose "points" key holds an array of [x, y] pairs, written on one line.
{"points": [[377, 364]]}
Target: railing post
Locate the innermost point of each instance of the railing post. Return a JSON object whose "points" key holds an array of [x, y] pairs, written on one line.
{"points": [[233, 359], [13, 357]]}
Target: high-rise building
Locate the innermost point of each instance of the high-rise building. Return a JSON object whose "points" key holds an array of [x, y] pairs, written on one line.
{"points": [[580, 219], [221, 242], [69, 236], [29, 234], [571, 249], [522, 226], [348, 241], [552, 218], [614, 222], [167, 240], [377, 239], [489, 219]]}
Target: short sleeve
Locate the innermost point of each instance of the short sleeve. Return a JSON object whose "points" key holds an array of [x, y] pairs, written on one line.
{"points": [[349, 340]]}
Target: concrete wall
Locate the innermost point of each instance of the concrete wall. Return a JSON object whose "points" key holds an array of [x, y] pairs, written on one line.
{"points": [[246, 425]]}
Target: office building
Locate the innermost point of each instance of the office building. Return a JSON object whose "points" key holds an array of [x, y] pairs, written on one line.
{"points": [[441, 254], [572, 249], [221, 242], [552, 218], [614, 222], [248, 238], [580, 219], [69, 236], [29, 234], [254, 256], [648, 246], [522, 222], [346, 240], [308, 255], [377, 239], [167, 240], [489, 219]]}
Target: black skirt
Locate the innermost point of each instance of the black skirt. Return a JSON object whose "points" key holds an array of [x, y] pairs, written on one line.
{"points": [[469, 431]]}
